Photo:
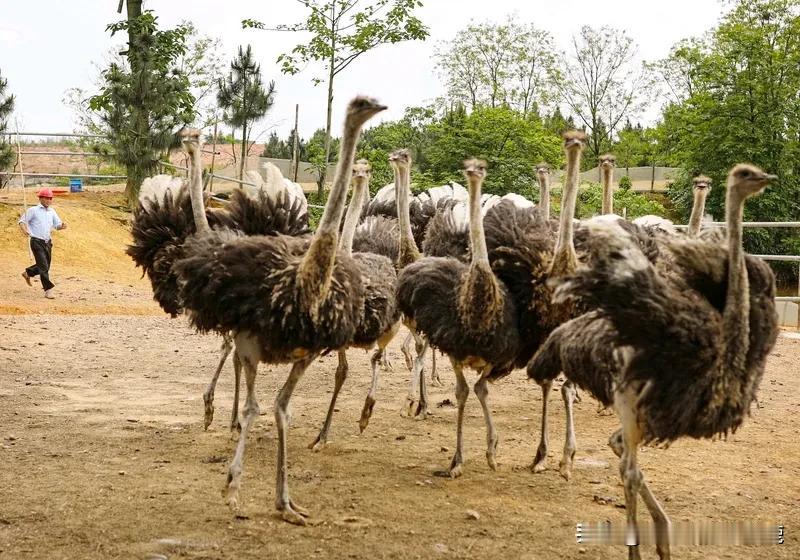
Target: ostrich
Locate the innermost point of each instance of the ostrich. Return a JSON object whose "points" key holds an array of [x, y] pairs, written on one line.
{"points": [[286, 300], [607, 163], [543, 173], [163, 220], [701, 187], [690, 350], [381, 319], [466, 312]]}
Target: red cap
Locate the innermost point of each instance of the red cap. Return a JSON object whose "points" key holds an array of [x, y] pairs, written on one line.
{"points": [[45, 193]]}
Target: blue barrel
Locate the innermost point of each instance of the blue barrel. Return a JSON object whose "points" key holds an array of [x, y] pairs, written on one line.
{"points": [[76, 185]]}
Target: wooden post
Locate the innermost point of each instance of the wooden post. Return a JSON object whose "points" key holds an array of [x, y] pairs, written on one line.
{"points": [[296, 147], [213, 157]]}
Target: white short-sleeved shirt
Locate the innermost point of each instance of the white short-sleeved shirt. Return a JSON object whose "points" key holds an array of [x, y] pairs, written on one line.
{"points": [[40, 221]]}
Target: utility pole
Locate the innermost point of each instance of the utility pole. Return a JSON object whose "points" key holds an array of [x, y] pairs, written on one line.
{"points": [[295, 147]]}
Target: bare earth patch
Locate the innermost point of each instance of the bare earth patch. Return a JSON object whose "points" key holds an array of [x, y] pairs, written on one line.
{"points": [[103, 456]]}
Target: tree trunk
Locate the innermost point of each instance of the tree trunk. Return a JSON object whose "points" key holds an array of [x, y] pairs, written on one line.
{"points": [[244, 152], [213, 157], [295, 147], [323, 173], [138, 116]]}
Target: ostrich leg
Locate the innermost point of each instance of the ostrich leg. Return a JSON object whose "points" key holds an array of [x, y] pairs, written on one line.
{"points": [[436, 381], [660, 519], [405, 348], [341, 375], [409, 408], [462, 393], [208, 396], [565, 466], [237, 378], [422, 409], [482, 392], [290, 511], [369, 401], [251, 412], [539, 462]]}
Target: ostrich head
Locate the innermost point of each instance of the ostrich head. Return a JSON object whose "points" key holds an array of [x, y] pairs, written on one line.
{"points": [[607, 161], [400, 159], [574, 140], [747, 180], [701, 182], [542, 170], [362, 172], [190, 137], [474, 170], [361, 109]]}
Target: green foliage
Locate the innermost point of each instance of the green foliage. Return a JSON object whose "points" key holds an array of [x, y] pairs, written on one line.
{"points": [[499, 64], [626, 202], [7, 156], [243, 99], [739, 102], [625, 183], [341, 31], [142, 103]]}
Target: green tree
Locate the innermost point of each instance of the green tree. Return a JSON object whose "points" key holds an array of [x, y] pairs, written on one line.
{"points": [[315, 152], [601, 83], [742, 105], [496, 64], [243, 98], [7, 156], [343, 30], [144, 100]]}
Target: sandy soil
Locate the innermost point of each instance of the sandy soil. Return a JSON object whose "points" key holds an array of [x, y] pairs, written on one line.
{"points": [[104, 456]]}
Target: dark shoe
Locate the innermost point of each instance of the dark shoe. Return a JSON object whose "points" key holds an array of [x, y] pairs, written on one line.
{"points": [[27, 278]]}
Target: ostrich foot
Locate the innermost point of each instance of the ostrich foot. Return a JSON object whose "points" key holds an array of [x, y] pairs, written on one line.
{"points": [[540, 461], [410, 406], [422, 411], [633, 553], [366, 413], [455, 470], [565, 466], [319, 443], [208, 402], [293, 513], [386, 364], [436, 381], [236, 426], [232, 486], [491, 453]]}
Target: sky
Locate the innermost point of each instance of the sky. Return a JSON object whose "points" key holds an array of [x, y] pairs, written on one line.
{"points": [[50, 46]]}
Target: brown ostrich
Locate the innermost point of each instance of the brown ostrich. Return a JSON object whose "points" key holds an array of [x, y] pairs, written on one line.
{"points": [[286, 300], [466, 312], [688, 350], [701, 187], [607, 162]]}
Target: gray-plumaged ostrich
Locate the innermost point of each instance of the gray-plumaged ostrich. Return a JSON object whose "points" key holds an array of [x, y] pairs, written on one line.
{"points": [[607, 162], [688, 350], [467, 313], [381, 319], [163, 221], [286, 300]]}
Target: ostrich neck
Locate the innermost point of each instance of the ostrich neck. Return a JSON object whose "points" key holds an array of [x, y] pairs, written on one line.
{"points": [[544, 195], [698, 209], [564, 259], [736, 316], [315, 271], [196, 192], [477, 240], [409, 252], [608, 191], [352, 216]]}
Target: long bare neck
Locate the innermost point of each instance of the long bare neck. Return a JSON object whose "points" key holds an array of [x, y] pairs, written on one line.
{"points": [[564, 258], [544, 194], [316, 269], [477, 239], [409, 252], [736, 316], [196, 192], [698, 209], [608, 190], [352, 217]]}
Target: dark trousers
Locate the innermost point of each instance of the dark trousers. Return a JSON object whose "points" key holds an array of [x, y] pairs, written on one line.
{"points": [[42, 253]]}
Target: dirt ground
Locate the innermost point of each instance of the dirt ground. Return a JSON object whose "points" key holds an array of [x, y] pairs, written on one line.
{"points": [[103, 452]]}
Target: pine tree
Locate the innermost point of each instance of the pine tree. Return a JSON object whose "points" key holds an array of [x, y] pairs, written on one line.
{"points": [[6, 151]]}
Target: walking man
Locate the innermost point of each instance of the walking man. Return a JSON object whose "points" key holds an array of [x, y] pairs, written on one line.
{"points": [[37, 223]]}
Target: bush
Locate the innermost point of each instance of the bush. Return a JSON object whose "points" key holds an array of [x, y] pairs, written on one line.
{"points": [[625, 184]]}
